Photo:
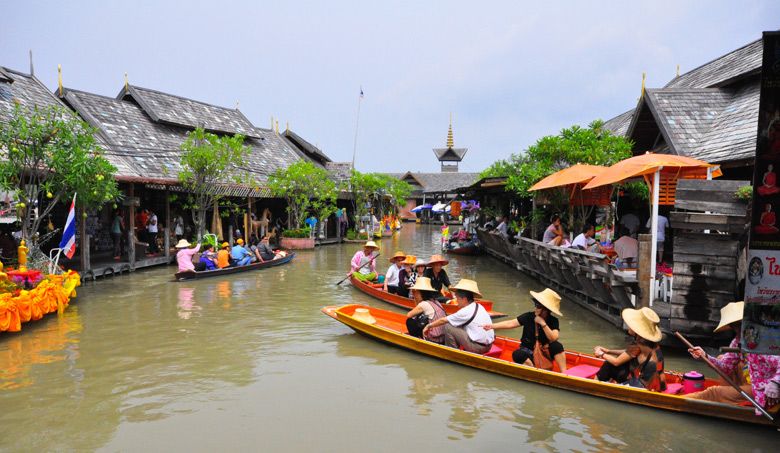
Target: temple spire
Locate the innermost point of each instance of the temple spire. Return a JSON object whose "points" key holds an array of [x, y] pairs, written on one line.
{"points": [[450, 139]]}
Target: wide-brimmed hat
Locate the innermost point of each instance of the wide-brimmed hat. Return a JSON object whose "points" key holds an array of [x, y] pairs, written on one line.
{"points": [[644, 322], [423, 284], [363, 315], [731, 313], [420, 263], [371, 244], [549, 299], [437, 259], [183, 244], [467, 285], [398, 254], [410, 259]]}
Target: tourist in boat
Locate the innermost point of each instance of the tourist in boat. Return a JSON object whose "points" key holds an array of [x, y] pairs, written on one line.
{"points": [[769, 182], [223, 256], [439, 278], [585, 241], [240, 255], [758, 375], [539, 326], [206, 260], [264, 250], [640, 364], [184, 255], [391, 276], [363, 262], [465, 328], [429, 306], [405, 280], [553, 235]]}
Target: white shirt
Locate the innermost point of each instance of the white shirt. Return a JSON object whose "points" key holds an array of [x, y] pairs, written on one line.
{"points": [[663, 224], [501, 228], [582, 241], [391, 277], [152, 226], [475, 328]]}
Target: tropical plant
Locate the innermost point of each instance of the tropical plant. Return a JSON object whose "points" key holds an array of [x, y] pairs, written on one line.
{"points": [[209, 161], [50, 154], [298, 233], [305, 187]]}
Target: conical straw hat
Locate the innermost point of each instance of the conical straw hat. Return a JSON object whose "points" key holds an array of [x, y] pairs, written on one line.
{"points": [[423, 284], [644, 322], [371, 244], [467, 285], [398, 254], [183, 244], [437, 259], [732, 312], [550, 299], [410, 259], [363, 315]]}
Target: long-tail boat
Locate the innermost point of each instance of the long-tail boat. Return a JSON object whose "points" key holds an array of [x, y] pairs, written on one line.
{"points": [[464, 250], [376, 290], [390, 327], [235, 269]]}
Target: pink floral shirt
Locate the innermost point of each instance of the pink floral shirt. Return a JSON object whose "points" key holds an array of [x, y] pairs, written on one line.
{"points": [[359, 259], [184, 258], [762, 369]]}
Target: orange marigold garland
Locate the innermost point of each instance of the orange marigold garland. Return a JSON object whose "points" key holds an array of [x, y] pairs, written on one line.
{"points": [[20, 306]]}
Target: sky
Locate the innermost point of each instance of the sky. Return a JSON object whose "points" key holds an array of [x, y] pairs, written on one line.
{"points": [[510, 72]]}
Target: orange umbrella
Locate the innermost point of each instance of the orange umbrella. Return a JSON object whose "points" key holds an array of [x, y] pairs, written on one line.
{"points": [[576, 174], [650, 163]]}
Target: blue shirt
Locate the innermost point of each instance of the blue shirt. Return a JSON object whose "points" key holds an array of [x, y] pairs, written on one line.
{"points": [[311, 221], [210, 266], [238, 252]]}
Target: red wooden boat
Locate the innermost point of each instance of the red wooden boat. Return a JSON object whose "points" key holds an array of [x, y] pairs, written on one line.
{"points": [[375, 290], [467, 250], [390, 327]]}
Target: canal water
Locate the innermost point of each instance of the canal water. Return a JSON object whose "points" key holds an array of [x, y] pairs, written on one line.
{"points": [[248, 362]]}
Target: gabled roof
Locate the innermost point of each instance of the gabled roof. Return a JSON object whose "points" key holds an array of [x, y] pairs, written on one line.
{"points": [[619, 124], [304, 146], [440, 182], [723, 70], [450, 154], [184, 112], [27, 90]]}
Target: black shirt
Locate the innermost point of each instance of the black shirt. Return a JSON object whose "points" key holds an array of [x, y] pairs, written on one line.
{"points": [[437, 282], [528, 339]]}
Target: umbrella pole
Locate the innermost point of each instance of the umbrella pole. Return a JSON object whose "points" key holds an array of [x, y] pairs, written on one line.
{"points": [[654, 233]]}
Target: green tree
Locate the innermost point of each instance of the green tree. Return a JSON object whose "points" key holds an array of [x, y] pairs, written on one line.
{"points": [[397, 190], [305, 187], [50, 155], [364, 188], [207, 162]]}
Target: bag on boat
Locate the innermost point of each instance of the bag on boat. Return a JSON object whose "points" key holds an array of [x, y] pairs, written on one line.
{"points": [[542, 357], [416, 324]]}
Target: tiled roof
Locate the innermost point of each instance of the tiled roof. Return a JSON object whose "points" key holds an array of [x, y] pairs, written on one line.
{"points": [[181, 111], [619, 124], [25, 89], [304, 146], [721, 70], [441, 182], [732, 136], [450, 154], [340, 171]]}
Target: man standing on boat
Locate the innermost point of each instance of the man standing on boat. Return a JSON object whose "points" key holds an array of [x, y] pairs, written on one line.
{"points": [[464, 328], [363, 266]]}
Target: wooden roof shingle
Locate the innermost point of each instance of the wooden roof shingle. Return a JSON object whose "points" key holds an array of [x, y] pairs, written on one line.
{"points": [[619, 124], [724, 69]]}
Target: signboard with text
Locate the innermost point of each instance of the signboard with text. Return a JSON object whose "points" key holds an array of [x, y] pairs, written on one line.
{"points": [[761, 322]]}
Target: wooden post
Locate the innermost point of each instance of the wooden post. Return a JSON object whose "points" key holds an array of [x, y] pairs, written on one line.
{"points": [[131, 226], [643, 272], [167, 240]]}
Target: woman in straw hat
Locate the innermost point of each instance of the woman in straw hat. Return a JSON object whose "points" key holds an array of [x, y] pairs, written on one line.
{"points": [[640, 364], [429, 307], [464, 328], [406, 277], [363, 266], [184, 256], [439, 278], [539, 326], [758, 375], [391, 276]]}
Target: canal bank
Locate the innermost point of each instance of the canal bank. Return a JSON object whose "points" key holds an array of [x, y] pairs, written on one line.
{"points": [[249, 362]]}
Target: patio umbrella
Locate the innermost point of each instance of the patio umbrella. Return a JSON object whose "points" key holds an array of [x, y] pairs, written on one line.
{"points": [[438, 207], [421, 207], [576, 174], [676, 167]]}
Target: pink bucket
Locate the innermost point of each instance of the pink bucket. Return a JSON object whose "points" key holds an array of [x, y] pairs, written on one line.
{"points": [[693, 382]]}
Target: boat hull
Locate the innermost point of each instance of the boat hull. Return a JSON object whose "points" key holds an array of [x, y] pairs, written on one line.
{"points": [[375, 290], [470, 250], [180, 276], [390, 328]]}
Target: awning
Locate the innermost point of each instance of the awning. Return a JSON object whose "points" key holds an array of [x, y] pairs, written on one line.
{"points": [[576, 174]]}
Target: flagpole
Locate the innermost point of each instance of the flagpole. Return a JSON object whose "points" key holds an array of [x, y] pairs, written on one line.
{"points": [[357, 124]]}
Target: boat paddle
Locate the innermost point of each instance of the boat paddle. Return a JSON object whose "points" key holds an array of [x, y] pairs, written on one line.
{"points": [[728, 379], [373, 257]]}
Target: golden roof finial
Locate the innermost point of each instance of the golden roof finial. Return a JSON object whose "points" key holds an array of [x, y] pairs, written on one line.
{"points": [[287, 127], [644, 75], [127, 84], [59, 78], [276, 126], [450, 139]]}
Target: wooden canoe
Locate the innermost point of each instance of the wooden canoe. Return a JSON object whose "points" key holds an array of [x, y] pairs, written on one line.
{"points": [[468, 250], [375, 290], [234, 270], [390, 327]]}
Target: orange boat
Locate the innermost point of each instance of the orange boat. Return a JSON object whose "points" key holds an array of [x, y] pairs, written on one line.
{"points": [[390, 327], [375, 290]]}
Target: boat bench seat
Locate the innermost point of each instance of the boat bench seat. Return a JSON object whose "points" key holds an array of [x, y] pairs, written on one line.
{"points": [[583, 371], [495, 351], [673, 389]]}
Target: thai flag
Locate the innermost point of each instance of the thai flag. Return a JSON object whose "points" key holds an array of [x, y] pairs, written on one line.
{"points": [[68, 242]]}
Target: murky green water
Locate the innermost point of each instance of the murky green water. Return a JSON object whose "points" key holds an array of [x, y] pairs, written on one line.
{"points": [[248, 363]]}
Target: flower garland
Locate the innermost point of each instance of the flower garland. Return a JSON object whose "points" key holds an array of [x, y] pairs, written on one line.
{"points": [[51, 293]]}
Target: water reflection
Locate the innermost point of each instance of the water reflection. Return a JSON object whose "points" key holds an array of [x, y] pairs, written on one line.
{"points": [[186, 303]]}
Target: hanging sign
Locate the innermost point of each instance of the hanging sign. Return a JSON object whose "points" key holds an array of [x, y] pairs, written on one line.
{"points": [[761, 321]]}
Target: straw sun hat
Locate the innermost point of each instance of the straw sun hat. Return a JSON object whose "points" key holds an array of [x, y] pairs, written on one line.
{"points": [[467, 285], [398, 254], [437, 259], [644, 322], [371, 244], [410, 259], [549, 299], [732, 312], [183, 244], [423, 284], [363, 315]]}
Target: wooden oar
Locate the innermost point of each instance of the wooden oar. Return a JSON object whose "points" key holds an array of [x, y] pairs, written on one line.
{"points": [[728, 379], [373, 257]]}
